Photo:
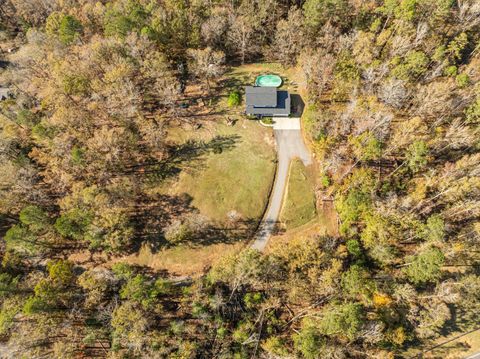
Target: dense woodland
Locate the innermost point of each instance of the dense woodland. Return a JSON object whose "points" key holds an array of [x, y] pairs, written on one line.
{"points": [[393, 115]]}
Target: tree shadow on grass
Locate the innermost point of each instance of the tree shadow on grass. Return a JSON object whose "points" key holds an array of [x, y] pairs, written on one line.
{"points": [[156, 213], [231, 83], [210, 234], [215, 233], [188, 155]]}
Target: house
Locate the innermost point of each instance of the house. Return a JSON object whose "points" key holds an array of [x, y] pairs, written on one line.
{"points": [[267, 102]]}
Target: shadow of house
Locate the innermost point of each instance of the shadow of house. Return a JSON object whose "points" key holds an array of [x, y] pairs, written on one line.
{"points": [[298, 106]]}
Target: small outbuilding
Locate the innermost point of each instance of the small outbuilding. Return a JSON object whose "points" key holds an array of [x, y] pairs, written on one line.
{"points": [[267, 102], [4, 93]]}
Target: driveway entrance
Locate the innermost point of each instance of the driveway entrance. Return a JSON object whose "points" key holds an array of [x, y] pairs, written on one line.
{"points": [[289, 140]]}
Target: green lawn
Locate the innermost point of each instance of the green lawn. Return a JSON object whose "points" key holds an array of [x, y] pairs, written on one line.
{"points": [[299, 206], [237, 178]]}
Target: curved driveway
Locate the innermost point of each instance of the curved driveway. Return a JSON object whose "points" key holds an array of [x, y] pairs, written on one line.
{"points": [[290, 145]]}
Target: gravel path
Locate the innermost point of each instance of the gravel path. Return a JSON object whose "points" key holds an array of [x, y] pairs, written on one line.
{"points": [[290, 145]]}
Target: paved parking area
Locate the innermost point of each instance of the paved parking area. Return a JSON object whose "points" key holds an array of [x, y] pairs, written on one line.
{"points": [[288, 123]]}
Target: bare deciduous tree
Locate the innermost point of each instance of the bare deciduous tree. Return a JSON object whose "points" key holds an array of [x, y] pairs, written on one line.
{"points": [[206, 63]]}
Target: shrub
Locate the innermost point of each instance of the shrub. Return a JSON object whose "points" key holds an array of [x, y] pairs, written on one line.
{"points": [[463, 80], [473, 112], [77, 154], [178, 232], [275, 346], [325, 180], [76, 85], [234, 99], [183, 231], [451, 71]]}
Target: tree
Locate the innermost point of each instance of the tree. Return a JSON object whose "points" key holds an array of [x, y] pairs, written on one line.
{"points": [[206, 63], [35, 218], [33, 234], [308, 341], [66, 27], [357, 284], [54, 292], [34, 12], [97, 284], [417, 156], [343, 320], [8, 311], [61, 272], [213, 30], [354, 199], [143, 291], [430, 319], [69, 29], [413, 65], [435, 229], [129, 325], [238, 269], [366, 147], [317, 67], [318, 12], [473, 112], [289, 38], [122, 17], [425, 267], [73, 224], [241, 37]]}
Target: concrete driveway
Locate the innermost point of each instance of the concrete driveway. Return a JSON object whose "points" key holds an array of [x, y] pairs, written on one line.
{"points": [[289, 141]]}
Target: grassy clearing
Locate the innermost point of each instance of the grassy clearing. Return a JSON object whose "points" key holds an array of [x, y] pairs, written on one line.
{"points": [[454, 346], [243, 75], [180, 260], [231, 178], [237, 178], [299, 206]]}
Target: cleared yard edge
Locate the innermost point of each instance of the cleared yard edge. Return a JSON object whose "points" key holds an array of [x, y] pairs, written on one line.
{"points": [[304, 171]]}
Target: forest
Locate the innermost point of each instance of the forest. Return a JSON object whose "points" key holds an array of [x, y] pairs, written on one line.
{"points": [[392, 114]]}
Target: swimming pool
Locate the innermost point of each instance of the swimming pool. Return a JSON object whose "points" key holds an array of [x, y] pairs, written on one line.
{"points": [[268, 81]]}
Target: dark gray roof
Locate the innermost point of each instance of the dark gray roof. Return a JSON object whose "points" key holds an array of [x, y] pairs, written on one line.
{"points": [[281, 109], [261, 96]]}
